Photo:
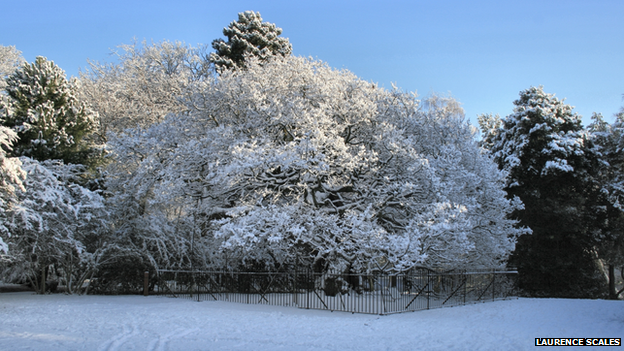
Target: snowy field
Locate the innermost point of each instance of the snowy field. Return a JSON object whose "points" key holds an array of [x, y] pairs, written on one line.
{"points": [[66, 322]]}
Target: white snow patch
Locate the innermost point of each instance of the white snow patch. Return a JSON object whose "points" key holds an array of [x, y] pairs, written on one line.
{"points": [[69, 322]]}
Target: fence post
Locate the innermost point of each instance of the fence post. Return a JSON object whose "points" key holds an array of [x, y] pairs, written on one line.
{"points": [[465, 284], [493, 284], [428, 289], [295, 292], [146, 283]]}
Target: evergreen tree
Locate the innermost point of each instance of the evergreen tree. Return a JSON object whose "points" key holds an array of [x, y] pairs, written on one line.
{"points": [[42, 108], [550, 163], [248, 36], [489, 125], [610, 143]]}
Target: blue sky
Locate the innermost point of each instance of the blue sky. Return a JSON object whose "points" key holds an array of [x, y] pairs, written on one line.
{"points": [[483, 53]]}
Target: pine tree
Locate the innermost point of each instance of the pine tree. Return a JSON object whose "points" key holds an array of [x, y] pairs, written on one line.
{"points": [[610, 143], [550, 163], [42, 108], [489, 125], [248, 36]]}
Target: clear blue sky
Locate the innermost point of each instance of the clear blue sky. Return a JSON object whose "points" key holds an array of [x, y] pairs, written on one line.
{"points": [[480, 52]]}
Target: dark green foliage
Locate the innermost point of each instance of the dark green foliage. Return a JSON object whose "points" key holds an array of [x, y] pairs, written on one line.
{"points": [[556, 266], [551, 165], [248, 36], [122, 276], [610, 142], [50, 121]]}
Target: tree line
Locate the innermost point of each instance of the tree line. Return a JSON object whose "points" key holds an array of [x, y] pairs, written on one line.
{"points": [[248, 158]]}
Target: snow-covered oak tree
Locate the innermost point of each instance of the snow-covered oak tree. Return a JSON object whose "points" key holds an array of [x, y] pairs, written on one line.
{"points": [[249, 36], [551, 164], [292, 162], [147, 84]]}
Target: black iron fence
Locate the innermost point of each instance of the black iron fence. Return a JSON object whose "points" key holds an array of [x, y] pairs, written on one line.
{"points": [[376, 293]]}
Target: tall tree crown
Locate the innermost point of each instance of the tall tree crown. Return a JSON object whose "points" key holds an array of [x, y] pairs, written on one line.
{"points": [[148, 82], [541, 137], [308, 164], [248, 36]]}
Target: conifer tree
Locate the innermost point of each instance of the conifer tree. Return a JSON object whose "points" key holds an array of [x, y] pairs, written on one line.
{"points": [[50, 122], [550, 163], [248, 36], [610, 143]]}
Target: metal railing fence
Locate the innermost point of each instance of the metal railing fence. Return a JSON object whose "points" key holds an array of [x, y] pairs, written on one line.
{"points": [[376, 293]]}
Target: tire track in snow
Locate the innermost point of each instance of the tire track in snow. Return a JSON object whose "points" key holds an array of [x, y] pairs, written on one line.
{"points": [[116, 341], [160, 343]]}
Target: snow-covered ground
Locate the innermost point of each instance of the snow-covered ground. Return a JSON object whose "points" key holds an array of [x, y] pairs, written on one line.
{"points": [[66, 322]]}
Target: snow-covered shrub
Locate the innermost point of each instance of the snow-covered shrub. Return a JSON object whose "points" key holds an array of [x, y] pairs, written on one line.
{"points": [[293, 162], [11, 178], [55, 224]]}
